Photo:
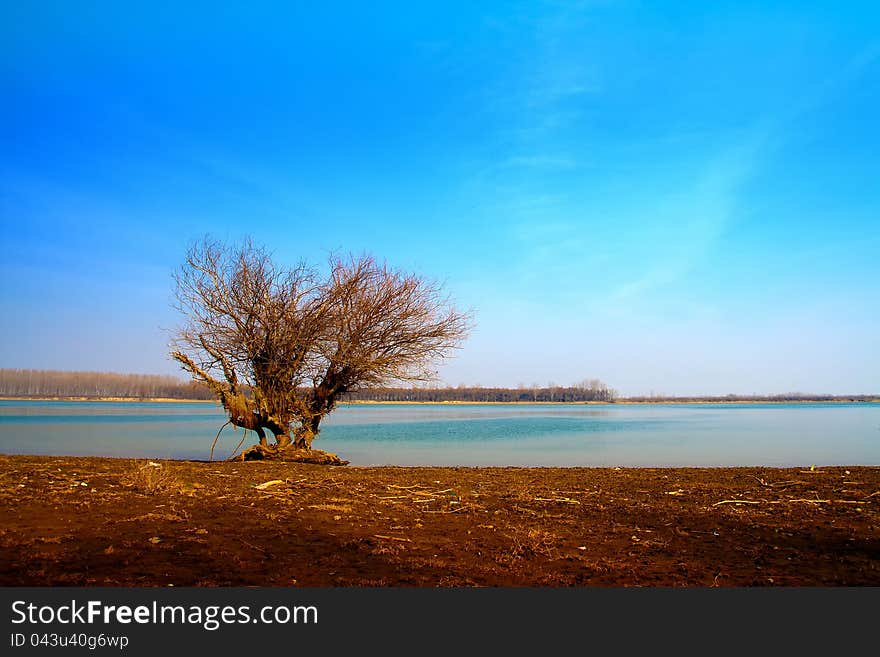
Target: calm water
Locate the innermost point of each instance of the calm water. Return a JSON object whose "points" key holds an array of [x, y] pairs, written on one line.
{"points": [[536, 435]]}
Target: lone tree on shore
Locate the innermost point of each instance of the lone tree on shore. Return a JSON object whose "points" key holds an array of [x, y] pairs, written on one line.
{"points": [[280, 346]]}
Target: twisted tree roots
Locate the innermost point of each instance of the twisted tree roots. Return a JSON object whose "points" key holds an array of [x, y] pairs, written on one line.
{"points": [[289, 453]]}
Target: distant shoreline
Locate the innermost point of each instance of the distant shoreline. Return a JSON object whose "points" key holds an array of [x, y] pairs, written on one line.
{"points": [[625, 402]]}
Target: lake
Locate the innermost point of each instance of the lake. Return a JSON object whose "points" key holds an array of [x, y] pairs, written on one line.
{"points": [[647, 435]]}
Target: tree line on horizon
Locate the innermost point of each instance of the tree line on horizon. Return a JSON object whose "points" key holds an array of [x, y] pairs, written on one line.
{"points": [[56, 383], [780, 397], [591, 390], [95, 385]]}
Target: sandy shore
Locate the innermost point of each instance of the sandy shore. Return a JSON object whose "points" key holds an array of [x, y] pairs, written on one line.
{"points": [[109, 522]]}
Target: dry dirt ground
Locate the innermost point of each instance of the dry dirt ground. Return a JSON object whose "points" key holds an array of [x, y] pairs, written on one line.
{"points": [[108, 522]]}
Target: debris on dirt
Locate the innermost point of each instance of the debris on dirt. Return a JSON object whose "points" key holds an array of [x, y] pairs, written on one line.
{"points": [[427, 526], [267, 484]]}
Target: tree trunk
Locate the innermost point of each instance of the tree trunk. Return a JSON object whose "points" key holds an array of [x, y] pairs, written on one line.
{"points": [[280, 429], [262, 435], [307, 432]]}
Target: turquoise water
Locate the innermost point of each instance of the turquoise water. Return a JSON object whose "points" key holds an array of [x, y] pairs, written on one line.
{"points": [[468, 435]]}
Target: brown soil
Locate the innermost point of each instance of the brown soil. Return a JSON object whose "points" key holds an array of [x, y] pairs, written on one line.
{"points": [[100, 522]]}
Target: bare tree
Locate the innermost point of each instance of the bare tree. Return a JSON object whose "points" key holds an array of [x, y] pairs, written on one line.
{"points": [[280, 346]]}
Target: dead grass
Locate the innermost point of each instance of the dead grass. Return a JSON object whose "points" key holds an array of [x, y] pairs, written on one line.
{"points": [[151, 478], [341, 508], [530, 543]]}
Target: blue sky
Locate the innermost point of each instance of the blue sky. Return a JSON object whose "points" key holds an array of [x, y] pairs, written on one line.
{"points": [[679, 198]]}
